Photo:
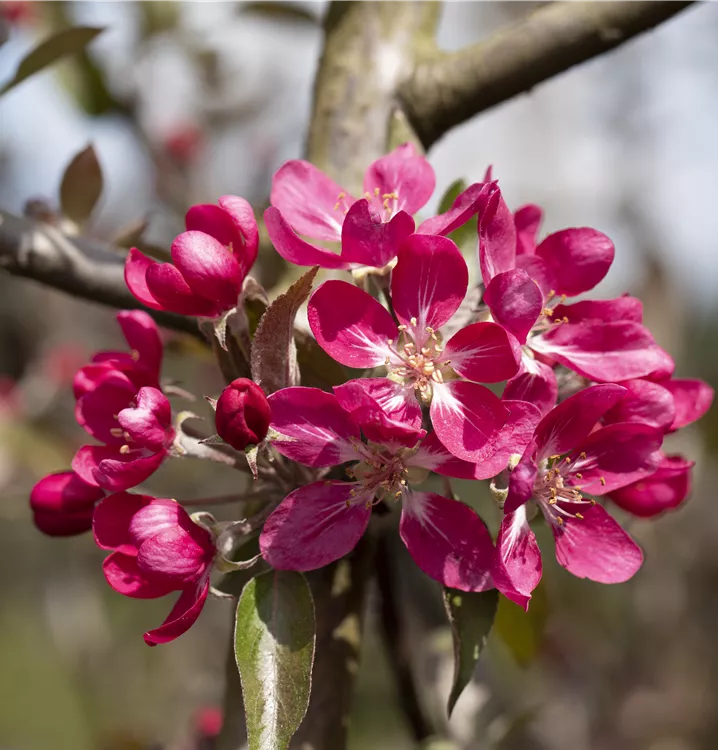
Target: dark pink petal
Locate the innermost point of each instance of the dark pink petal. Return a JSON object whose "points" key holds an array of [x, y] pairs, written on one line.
{"points": [[692, 399], [66, 523], [607, 310], [645, 402], [609, 352], [616, 456], [578, 259], [527, 220], [521, 482], [429, 282], [497, 237], [535, 383], [62, 504], [466, 416], [517, 565], [350, 325], [294, 249], [315, 525], [149, 424], [447, 540], [396, 401], [157, 516], [242, 216], [184, 614], [123, 471], [169, 288], [539, 271], [402, 172], [174, 554], [465, 206], [310, 201], [595, 546], [87, 459], [368, 241], [242, 414], [565, 426], [432, 455], [87, 378], [663, 490], [515, 302], [125, 577], [96, 411], [314, 429], [136, 267], [483, 352], [113, 516], [209, 268], [143, 337]]}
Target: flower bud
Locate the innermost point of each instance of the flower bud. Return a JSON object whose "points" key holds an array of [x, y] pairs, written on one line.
{"points": [[62, 504], [243, 414]]}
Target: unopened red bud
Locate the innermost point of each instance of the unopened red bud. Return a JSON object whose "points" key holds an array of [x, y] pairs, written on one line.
{"points": [[243, 414], [62, 504]]}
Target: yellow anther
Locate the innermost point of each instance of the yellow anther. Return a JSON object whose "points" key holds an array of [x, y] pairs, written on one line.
{"points": [[135, 355], [336, 206], [552, 501], [551, 294], [429, 329], [341, 195], [402, 327], [376, 191], [555, 457], [349, 503], [579, 476], [547, 311], [578, 515], [413, 321], [116, 432], [582, 454], [390, 342], [567, 460], [559, 521], [602, 480], [125, 450]]}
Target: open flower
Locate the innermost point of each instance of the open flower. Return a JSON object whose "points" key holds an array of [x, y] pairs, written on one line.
{"points": [[428, 284], [321, 522], [211, 260], [156, 549], [563, 464], [62, 504]]}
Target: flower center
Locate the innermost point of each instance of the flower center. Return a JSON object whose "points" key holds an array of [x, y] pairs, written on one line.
{"points": [[554, 487], [385, 205], [382, 475], [546, 320]]}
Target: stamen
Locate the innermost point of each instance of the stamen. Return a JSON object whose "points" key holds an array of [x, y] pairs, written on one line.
{"points": [[559, 521], [602, 480], [578, 515], [413, 321], [116, 432], [125, 450]]}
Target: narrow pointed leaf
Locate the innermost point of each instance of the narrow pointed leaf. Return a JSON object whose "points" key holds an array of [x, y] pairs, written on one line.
{"points": [[452, 193], [62, 44], [471, 616], [523, 632], [81, 186], [274, 646]]}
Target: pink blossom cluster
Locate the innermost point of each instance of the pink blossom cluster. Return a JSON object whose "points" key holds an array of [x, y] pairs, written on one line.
{"points": [[582, 396]]}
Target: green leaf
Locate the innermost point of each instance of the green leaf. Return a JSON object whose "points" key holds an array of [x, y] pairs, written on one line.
{"points": [[318, 369], [277, 11], [81, 186], [471, 616], [62, 44], [274, 646], [274, 353], [522, 632], [452, 192]]}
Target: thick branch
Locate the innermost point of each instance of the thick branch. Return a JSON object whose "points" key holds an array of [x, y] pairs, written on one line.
{"points": [[86, 269], [456, 86]]}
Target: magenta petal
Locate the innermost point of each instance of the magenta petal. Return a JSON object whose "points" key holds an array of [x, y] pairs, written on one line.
{"points": [[242, 216], [465, 206], [125, 577], [96, 410], [158, 516], [466, 416], [87, 459], [608, 310], [350, 325], [294, 249], [63, 491], [136, 266], [517, 566], [184, 614], [310, 201], [521, 483], [170, 290], [402, 172], [143, 337], [65, 523], [368, 241], [578, 259], [497, 237], [175, 554], [609, 352], [515, 302], [447, 540], [595, 546], [314, 526], [432, 455], [149, 422], [123, 471], [314, 429], [564, 427], [535, 383], [644, 402], [483, 352], [429, 282], [111, 524], [691, 398], [397, 402], [527, 220]]}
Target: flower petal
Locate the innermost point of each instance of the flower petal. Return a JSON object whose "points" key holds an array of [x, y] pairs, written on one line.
{"points": [[396, 401], [184, 614], [149, 423], [465, 206], [314, 429], [369, 241], [350, 325], [111, 524], [123, 471], [521, 482], [174, 554], [314, 526], [607, 310], [691, 398], [517, 566], [483, 352], [125, 577], [497, 237], [429, 282], [448, 541], [168, 287], [535, 383], [143, 337], [466, 416], [515, 302], [595, 546], [644, 402], [527, 221], [136, 266], [96, 411]]}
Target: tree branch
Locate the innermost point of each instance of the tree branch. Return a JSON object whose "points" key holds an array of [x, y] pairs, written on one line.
{"points": [[86, 269], [453, 87]]}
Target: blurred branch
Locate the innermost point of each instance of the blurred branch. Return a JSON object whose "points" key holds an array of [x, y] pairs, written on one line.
{"points": [[83, 268], [453, 87]]}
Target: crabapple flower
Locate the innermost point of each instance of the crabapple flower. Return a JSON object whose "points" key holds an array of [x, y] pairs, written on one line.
{"points": [[243, 414], [211, 260], [323, 521], [62, 504], [526, 287], [307, 202], [564, 462], [428, 284], [156, 549]]}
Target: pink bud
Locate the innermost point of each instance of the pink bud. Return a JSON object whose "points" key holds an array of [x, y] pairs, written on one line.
{"points": [[62, 504], [243, 414]]}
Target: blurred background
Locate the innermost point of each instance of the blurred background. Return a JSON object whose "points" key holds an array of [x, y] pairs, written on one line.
{"points": [[188, 101]]}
